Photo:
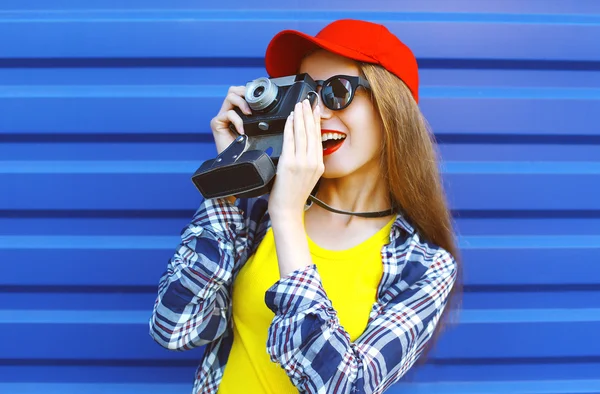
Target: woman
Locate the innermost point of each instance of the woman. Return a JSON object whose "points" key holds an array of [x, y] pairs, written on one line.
{"points": [[340, 296]]}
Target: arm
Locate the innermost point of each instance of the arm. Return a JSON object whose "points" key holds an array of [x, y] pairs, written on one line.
{"points": [[316, 352], [193, 293]]}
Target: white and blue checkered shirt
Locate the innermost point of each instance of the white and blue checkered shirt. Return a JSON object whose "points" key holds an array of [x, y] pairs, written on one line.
{"points": [[193, 307]]}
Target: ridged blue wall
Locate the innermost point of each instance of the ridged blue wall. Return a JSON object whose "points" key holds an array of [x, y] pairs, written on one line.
{"points": [[104, 115]]}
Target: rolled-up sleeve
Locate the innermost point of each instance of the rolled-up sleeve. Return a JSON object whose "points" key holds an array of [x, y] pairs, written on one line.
{"points": [[307, 340], [193, 293]]}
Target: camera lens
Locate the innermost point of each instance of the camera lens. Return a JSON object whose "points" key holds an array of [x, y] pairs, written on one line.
{"points": [[261, 93], [258, 91]]}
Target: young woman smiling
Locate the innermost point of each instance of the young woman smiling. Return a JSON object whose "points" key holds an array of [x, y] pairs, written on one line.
{"points": [[341, 295]]}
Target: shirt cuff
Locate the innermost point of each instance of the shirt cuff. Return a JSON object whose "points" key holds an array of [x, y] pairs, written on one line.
{"points": [[297, 292]]}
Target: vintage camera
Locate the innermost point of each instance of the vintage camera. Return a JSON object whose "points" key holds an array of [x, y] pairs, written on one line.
{"points": [[246, 168]]}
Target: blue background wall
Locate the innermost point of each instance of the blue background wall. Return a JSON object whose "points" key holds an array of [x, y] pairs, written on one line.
{"points": [[104, 115]]}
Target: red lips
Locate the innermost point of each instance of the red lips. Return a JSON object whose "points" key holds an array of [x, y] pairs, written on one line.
{"points": [[331, 145]]}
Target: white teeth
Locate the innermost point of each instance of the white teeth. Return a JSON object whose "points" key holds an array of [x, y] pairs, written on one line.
{"points": [[332, 136]]}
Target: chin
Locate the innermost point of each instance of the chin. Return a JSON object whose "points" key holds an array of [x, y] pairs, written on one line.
{"points": [[333, 171], [343, 166]]}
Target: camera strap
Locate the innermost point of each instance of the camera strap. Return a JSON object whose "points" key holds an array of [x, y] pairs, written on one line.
{"points": [[378, 214]]}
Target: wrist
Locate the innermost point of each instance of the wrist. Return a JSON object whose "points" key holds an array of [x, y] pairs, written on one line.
{"points": [[286, 216], [291, 242]]}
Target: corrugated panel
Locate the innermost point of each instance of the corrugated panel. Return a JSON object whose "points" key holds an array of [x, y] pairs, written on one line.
{"points": [[104, 112]]}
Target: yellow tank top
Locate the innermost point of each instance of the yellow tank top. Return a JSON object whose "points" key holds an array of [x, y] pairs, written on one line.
{"points": [[350, 278]]}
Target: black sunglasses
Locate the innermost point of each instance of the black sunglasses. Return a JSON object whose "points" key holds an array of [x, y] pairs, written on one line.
{"points": [[337, 92]]}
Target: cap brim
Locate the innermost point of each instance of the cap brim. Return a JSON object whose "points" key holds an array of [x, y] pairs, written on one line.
{"points": [[287, 49]]}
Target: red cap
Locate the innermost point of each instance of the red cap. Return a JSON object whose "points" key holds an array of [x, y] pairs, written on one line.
{"points": [[359, 40]]}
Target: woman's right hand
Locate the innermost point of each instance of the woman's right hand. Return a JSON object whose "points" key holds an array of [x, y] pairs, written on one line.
{"points": [[220, 124]]}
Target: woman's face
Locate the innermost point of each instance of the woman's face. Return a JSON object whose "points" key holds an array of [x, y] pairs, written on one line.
{"points": [[359, 123]]}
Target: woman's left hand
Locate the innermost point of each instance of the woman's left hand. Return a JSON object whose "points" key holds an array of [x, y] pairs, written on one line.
{"points": [[300, 164]]}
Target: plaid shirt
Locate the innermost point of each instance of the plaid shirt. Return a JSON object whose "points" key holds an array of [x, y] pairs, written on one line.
{"points": [[305, 338]]}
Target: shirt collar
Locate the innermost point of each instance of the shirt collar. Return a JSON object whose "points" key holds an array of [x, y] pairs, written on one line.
{"points": [[402, 223]]}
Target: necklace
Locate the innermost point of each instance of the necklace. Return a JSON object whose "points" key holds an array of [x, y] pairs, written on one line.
{"points": [[377, 214]]}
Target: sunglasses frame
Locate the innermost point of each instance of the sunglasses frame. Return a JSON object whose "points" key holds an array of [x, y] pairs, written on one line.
{"points": [[355, 82]]}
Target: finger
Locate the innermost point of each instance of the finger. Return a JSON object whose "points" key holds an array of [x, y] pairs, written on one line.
{"points": [[239, 101], [288, 148], [309, 125], [239, 89], [318, 138], [232, 117], [299, 130], [232, 91]]}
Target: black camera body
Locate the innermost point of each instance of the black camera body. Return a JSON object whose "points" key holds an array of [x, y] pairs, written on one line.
{"points": [[247, 167]]}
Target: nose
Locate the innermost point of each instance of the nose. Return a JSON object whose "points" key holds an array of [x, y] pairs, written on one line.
{"points": [[326, 113]]}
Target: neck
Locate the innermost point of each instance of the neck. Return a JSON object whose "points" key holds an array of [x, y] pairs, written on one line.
{"points": [[355, 193]]}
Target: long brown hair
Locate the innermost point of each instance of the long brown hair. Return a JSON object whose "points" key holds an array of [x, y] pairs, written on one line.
{"points": [[410, 167]]}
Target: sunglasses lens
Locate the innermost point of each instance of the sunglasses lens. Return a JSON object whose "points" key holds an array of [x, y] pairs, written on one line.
{"points": [[336, 94]]}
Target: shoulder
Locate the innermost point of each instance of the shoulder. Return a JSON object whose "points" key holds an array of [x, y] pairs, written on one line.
{"points": [[417, 258], [256, 218], [253, 209]]}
